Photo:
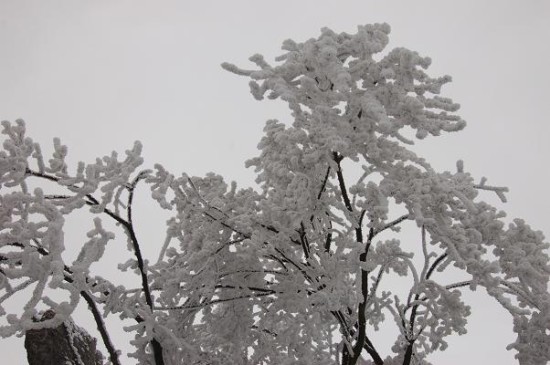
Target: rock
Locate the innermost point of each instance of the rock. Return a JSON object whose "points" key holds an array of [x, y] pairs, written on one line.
{"points": [[66, 344]]}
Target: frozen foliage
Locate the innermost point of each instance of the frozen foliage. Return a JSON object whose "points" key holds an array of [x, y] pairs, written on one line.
{"points": [[290, 273]]}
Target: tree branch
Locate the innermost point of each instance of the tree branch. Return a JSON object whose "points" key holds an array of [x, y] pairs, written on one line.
{"points": [[157, 348], [342, 183], [328, 239], [113, 354], [324, 184], [304, 241], [372, 352], [392, 223], [411, 338], [362, 318], [435, 264], [214, 301], [92, 201], [345, 197]]}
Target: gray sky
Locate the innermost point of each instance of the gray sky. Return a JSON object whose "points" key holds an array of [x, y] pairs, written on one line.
{"points": [[101, 74]]}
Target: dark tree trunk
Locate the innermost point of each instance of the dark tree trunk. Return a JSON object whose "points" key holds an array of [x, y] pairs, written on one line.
{"points": [[65, 344]]}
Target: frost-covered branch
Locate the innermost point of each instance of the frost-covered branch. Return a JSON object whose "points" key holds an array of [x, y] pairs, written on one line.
{"points": [[113, 353], [214, 301], [129, 226], [392, 224], [266, 275], [91, 200], [499, 190]]}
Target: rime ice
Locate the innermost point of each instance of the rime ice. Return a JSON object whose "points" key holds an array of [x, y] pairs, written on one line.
{"points": [[275, 275]]}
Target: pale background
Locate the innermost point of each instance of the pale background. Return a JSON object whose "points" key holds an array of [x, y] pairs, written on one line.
{"points": [[101, 74]]}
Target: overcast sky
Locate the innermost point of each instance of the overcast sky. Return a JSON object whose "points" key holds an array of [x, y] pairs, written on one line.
{"points": [[101, 74]]}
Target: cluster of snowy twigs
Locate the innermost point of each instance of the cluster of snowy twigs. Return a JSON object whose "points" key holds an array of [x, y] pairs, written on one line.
{"points": [[290, 272]]}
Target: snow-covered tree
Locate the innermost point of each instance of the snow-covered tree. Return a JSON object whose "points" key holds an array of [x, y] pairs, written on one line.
{"points": [[291, 271]]}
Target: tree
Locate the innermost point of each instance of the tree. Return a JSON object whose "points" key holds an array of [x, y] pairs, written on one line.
{"points": [[293, 271]]}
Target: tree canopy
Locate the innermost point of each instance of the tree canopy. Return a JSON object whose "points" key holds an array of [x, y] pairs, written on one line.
{"points": [[291, 271]]}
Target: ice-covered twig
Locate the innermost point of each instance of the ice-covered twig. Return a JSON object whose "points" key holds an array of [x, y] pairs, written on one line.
{"points": [[499, 190], [392, 224]]}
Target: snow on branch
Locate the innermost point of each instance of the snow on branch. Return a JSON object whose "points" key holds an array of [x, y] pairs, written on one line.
{"points": [[295, 270]]}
